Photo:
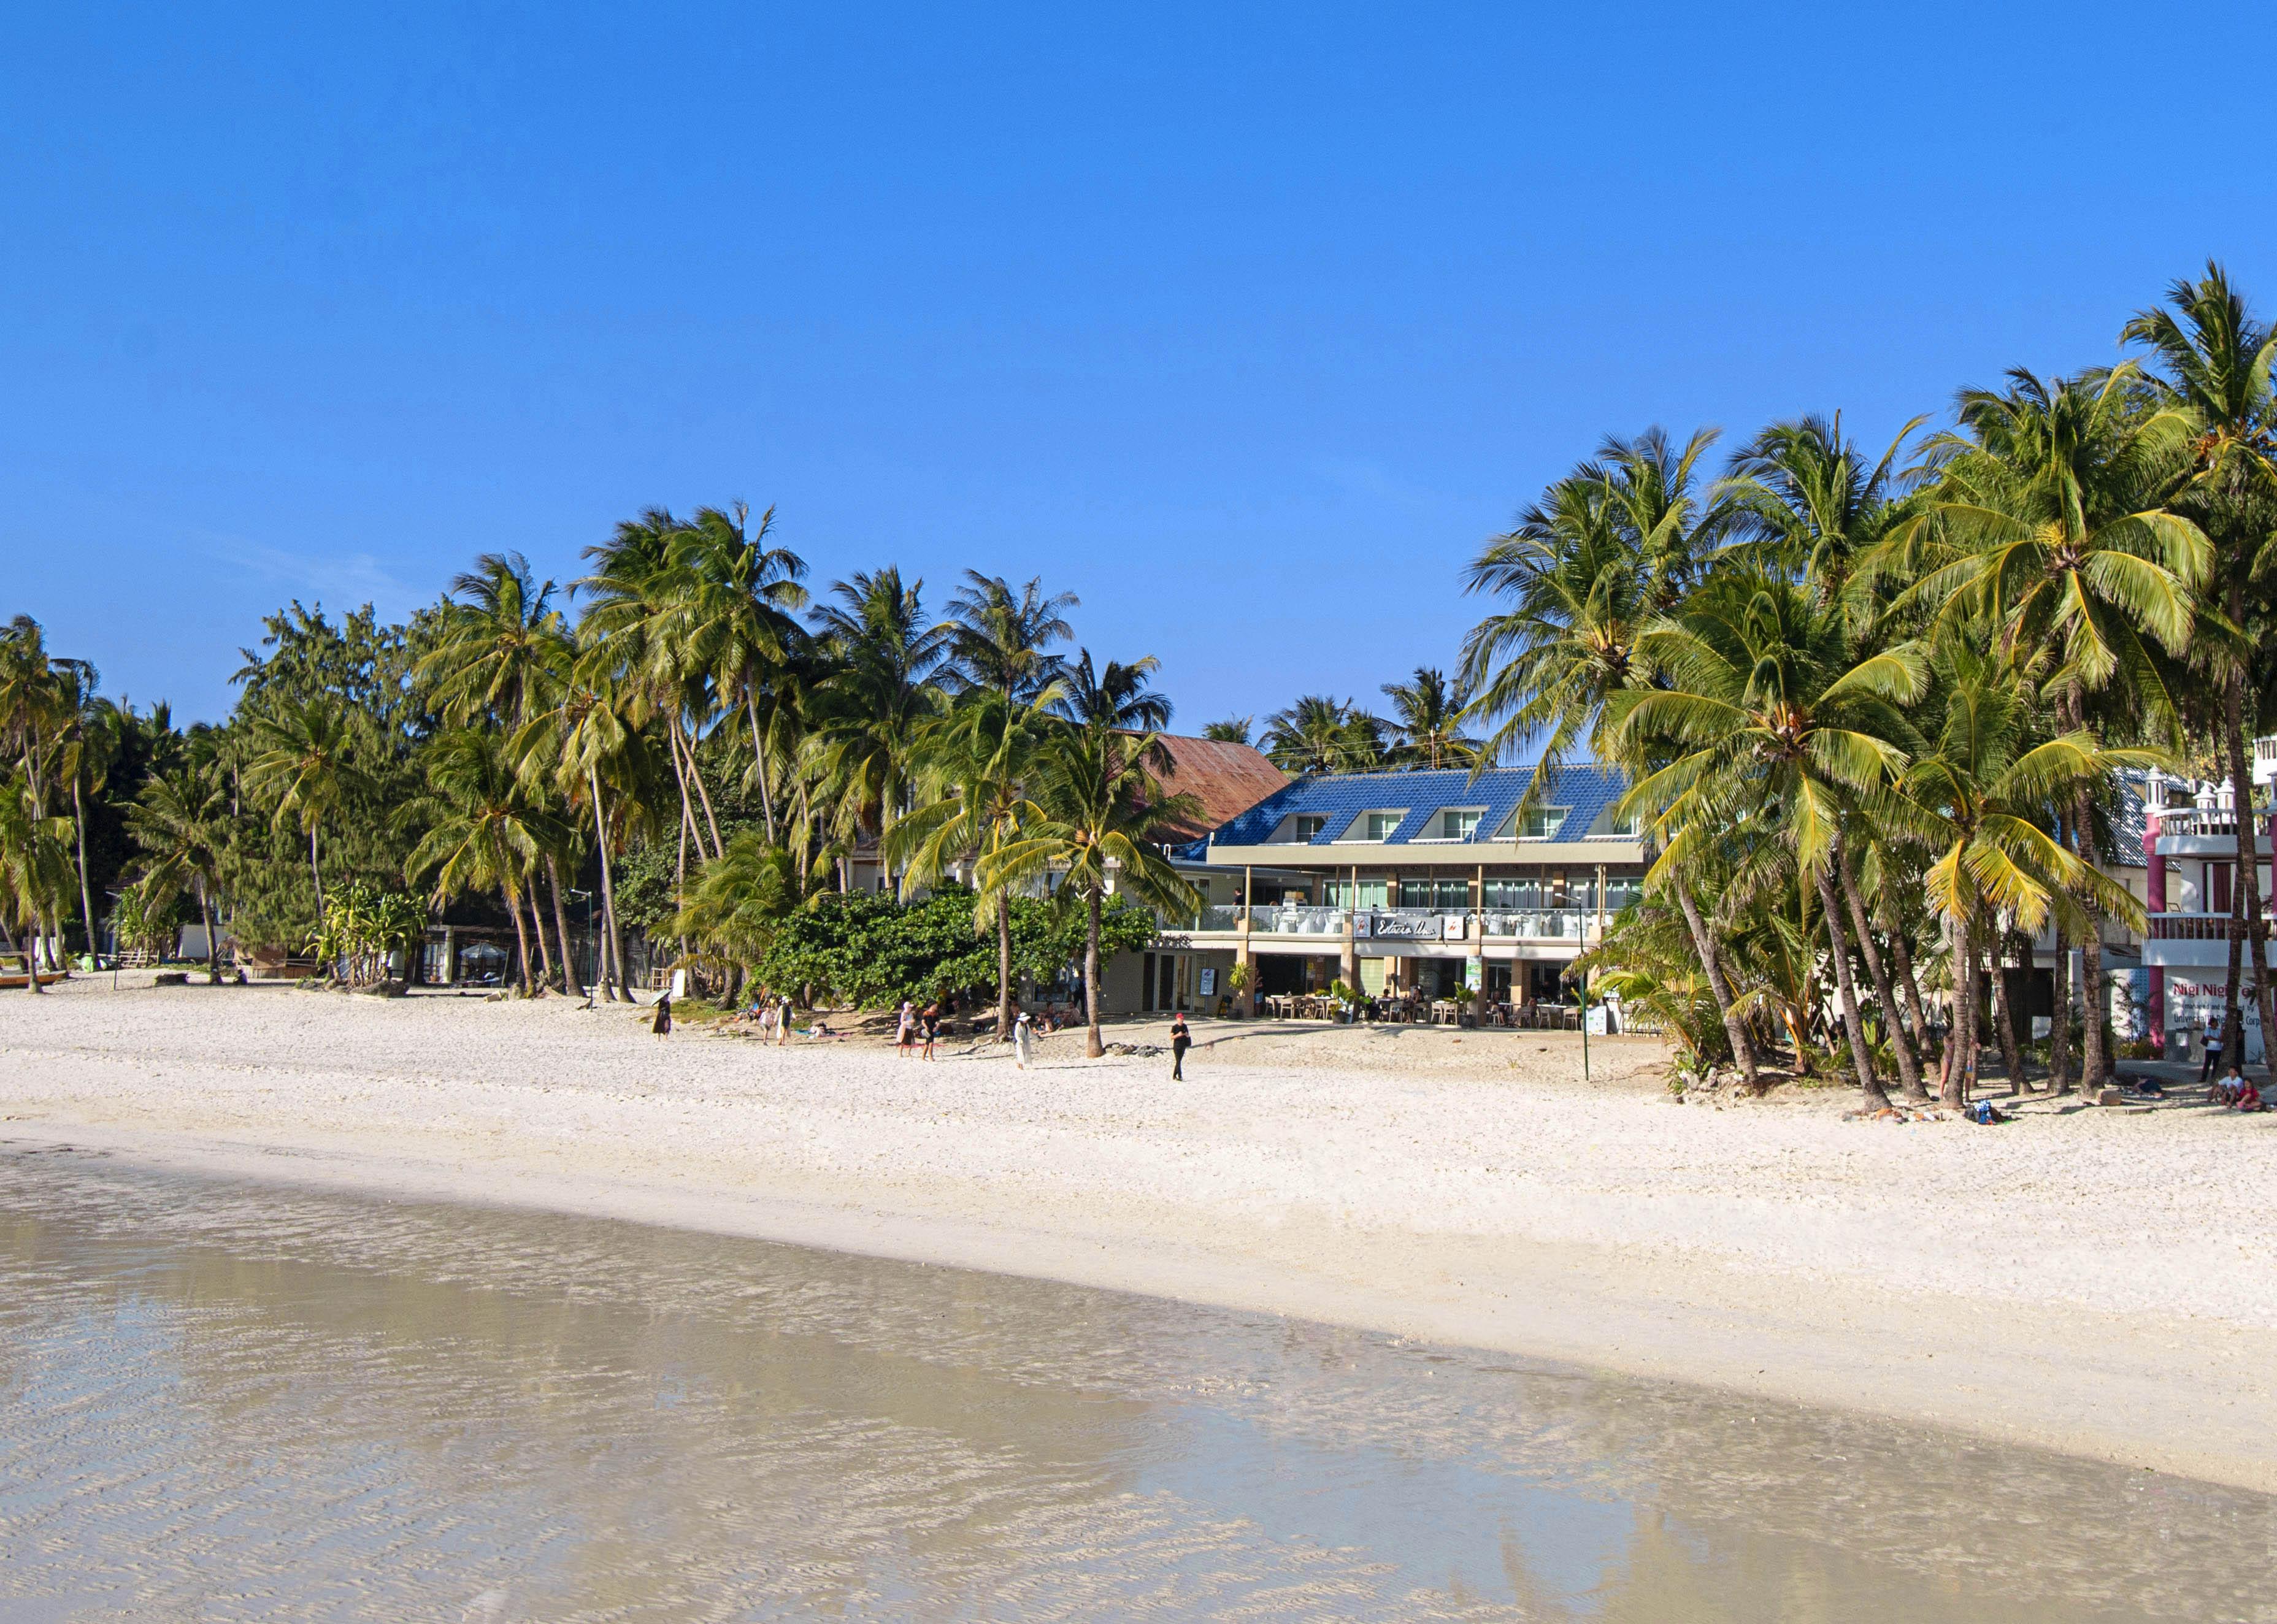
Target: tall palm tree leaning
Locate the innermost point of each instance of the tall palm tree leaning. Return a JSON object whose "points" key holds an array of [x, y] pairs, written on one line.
{"points": [[34, 706], [34, 867], [1768, 717], [2054, 492], [181, 822], [304, 768], [2215, 359], [1093, 822]]}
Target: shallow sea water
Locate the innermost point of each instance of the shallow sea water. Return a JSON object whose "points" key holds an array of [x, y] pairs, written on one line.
{"points": [[226, 1399]]}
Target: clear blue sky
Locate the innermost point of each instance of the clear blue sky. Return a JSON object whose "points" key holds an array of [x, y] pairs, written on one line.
{"points": [[1247, 323]]}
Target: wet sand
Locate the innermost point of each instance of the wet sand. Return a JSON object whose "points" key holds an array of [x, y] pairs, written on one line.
{"points": [[231, 1398], [2097, 1282]]}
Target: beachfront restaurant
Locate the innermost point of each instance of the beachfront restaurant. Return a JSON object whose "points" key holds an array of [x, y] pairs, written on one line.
{"points": [[1433, 893]]}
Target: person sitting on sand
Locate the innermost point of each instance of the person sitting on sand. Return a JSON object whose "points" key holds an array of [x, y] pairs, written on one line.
{"points": [[2249, 1097], [2226, 1088]]}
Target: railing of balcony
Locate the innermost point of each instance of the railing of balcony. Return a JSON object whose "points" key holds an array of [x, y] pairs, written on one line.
{"points": [[2190, 926], [2209, 823]]}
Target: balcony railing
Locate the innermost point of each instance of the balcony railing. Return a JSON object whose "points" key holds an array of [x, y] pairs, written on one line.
{"points": [[2190, 926], [2209, 823], [1407, 924]]}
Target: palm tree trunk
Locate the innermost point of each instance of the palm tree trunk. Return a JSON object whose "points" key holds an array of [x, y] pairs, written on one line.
{"points": [[689, 745], [205, 912], [86, 893], [1003, 968], [1902, 956], [1908, 1067], [1092, 1047], [613, 978], [759, 766], [2059, 1020], [2248, 864], [1847, 993], [1961, 1076], [1735, 1028], [2004, 1014], [2093, 1063], [545, 948], [521, 934], [572, 983], [315, 874]]}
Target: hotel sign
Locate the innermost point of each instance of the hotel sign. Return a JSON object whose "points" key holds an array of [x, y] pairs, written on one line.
{"points": [[1414, 927]]}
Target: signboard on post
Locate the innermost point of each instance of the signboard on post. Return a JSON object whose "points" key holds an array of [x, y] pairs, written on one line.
{"points": [[1209, 980], [1593, 1023], [1474, 974]]}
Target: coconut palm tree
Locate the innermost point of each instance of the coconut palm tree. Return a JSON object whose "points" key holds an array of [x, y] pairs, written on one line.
{"points": [[979, 766], [304, 768], [1001, 636], [1320, 733], [2054, 492], [732, 616], [1426, 722], [35, 866], [1980, 796], [502, 654], [878, 690], [485, 831], [2215, 359], [181, 821], [1233, 730], [1769, 716], [1093, 821], [35, 708], [1807, 502]]}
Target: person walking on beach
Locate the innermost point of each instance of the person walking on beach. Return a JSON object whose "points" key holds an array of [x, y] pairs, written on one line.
{"points": [[906, 1032], [930, 1024], [1024, 1041], [782, 1021], [662, 1025], [1181, 1040], [2211, 1063]]}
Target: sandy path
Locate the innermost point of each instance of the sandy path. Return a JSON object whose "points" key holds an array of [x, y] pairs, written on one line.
{"points": [[2100, 1281]]}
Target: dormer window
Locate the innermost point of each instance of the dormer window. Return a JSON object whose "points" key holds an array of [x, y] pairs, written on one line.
{"points": [[1625, 827], [1308, 827], [1380, 825], [1458, 822], [1542, 822]]}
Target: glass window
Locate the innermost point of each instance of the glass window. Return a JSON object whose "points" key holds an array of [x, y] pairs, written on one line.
{"points": [[1306, 828], [1380, 824], [1621, 889], [1456, 824], [1542, 822], [1625, 827]]}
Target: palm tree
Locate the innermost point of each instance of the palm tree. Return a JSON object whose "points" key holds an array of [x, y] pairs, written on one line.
{"points": [[33, 709], [739, 901], [2216, 360], [1319, 733], [1120, 698], [1813, 505], [2053, 490], [484, 832], [878, 691], [1979, 796], [1093, 820], [1426, 714], [306, 768], [1233, 730], [732, 616], [1770, 720], [182, 822], [502, 654], [979, 761], [35, 866], [1001, 636]]}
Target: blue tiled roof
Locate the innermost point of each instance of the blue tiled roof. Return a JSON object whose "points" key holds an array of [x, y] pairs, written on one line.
{"points": [[1586, 789]]}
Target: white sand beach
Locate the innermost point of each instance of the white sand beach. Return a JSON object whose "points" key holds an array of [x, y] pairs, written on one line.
{"points": [[2099, 1281]]}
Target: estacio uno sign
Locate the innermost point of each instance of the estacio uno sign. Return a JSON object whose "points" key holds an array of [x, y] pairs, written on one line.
{"points": [[1413, 928]]}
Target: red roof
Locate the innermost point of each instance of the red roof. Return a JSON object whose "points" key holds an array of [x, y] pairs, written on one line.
{"points": [[1227, 778]]}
